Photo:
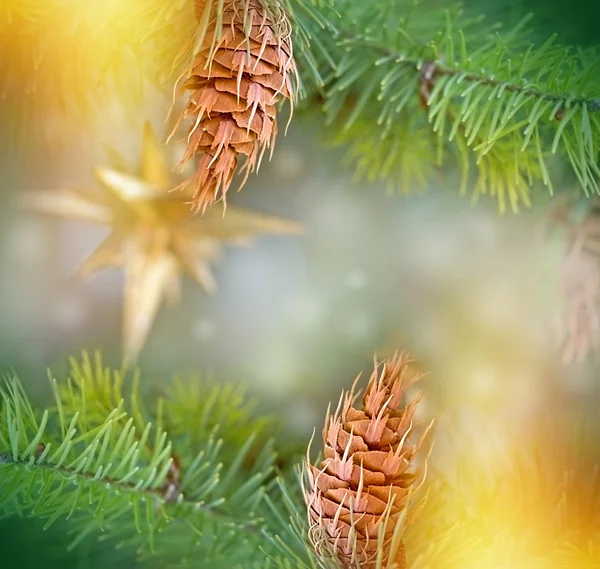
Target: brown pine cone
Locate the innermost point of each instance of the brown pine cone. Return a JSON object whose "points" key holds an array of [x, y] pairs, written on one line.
{"points": [[237, 80], [356, 499]]}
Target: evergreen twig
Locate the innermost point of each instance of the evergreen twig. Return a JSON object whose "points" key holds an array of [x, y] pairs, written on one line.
{"points": [[500, 106], [103, 461]]}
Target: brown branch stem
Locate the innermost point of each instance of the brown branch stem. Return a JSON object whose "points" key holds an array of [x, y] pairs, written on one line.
{"points": [[438, 69], [157, 494]]}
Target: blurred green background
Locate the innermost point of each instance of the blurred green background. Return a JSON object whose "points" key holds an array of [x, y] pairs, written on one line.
{"points": [[471, 295]]}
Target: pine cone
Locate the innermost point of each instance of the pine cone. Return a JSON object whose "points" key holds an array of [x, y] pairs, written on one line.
{"points": [[236, 82], [356, 498]]}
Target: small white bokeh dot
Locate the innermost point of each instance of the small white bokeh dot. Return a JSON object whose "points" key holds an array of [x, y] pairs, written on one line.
{"points": [[301, 416], [69, 313], [277, 370], [304, 311], [483, 383], [337, 218], [484, 229], [204, 330], [289, 163], [355, 326], [28, 241], [357, 279]]}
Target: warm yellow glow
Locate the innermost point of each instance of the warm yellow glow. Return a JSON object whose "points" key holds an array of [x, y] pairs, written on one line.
{"points": [[528, 500], [70, 58]]}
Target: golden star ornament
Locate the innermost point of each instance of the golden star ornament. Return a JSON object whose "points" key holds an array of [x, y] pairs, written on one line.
{"points": [[153, 236]]}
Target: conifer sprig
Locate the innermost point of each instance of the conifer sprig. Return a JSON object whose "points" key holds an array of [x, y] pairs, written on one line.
{"points": [[407, 71], [105, 462]]}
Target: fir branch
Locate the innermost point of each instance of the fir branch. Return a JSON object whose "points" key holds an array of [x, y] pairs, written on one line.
{"points": [[101, 460], [494, 102], [435, 69]]}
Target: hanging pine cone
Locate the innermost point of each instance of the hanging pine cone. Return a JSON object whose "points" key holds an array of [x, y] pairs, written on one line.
{"points": [[357, 498], [244, 68]]}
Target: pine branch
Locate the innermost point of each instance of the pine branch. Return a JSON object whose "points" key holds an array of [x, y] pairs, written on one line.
{"points": [[104, 462], [500, 106]]}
